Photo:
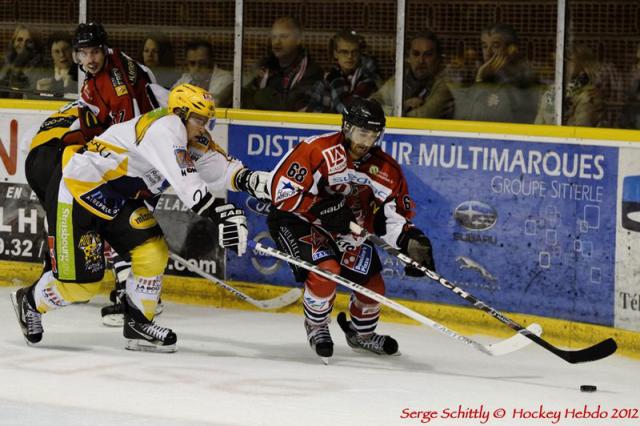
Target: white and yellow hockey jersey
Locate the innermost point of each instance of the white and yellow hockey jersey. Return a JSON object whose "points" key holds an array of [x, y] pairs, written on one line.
{"points": [[141, 158]]}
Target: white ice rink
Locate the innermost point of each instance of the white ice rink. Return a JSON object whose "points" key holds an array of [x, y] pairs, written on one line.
{"points": [[255, 368]]}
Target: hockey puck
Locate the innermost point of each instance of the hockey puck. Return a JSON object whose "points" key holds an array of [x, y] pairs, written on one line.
{"points": [[588, 388]]}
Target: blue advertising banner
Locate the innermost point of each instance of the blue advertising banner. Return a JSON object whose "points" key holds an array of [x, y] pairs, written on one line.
{"points": [[525, 226]]}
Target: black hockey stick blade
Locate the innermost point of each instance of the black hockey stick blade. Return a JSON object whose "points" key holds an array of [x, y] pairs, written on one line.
{"points": [[592, 353]]}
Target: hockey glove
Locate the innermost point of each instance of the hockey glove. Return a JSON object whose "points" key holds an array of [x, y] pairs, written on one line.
{"points": [[232, 228], [334, 214], [255, 183], [231, 221], [417, 246]]}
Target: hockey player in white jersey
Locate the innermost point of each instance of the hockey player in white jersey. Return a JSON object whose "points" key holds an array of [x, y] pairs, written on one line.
{"points": [[100, 192]]}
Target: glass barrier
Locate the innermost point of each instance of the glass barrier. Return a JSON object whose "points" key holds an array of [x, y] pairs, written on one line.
{"points": [[463, 59], [315, 55], [36, 56], [479, 60], [602, 78]]}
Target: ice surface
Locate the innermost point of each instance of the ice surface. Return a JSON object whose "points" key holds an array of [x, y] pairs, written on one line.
{"points": [[256, 368]]}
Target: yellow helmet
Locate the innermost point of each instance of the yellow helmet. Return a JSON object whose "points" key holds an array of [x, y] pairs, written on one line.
{"points": [[191, 99]]}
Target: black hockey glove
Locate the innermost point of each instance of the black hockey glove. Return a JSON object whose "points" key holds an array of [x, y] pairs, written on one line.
{"points": [[255, 183], [417, 246], [334, 214], [231, 221]]}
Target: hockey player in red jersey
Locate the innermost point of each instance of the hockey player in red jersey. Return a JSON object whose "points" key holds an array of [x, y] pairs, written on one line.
{"points": [[116, 89], [321, 186]]}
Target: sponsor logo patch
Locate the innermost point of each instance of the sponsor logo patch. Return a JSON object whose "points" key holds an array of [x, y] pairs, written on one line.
{"points": [[52, 253], [90, 244], [358, 259], [142, 218], [336, 159], [184, 161]]}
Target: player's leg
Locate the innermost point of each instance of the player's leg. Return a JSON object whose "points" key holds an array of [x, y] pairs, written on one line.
{"points": [[362, 265], [304, 241], [77, 263], [143, 243]]}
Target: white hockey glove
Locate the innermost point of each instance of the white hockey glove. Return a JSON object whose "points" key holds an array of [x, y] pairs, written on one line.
{"points": [[256, 183], [231, 221], [232, 228]]}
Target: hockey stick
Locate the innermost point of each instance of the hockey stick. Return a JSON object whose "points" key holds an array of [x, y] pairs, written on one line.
{"points": [[500, 348], [592, 353], [275, 303]]}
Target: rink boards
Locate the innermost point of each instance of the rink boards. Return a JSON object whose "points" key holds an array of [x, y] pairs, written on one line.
{"points": [[537, 220]]}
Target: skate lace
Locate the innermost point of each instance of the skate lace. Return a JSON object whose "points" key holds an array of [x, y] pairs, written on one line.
{"points": [[155, 330], [33, 320], [321, 334], [375, 342]]}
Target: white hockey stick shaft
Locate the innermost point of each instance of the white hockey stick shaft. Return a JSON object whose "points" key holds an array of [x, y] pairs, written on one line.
{"points": [[509, 345], [276, 303]]}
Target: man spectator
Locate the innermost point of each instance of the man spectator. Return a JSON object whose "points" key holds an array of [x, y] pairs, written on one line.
{"points": [[353, 74], [425, 90], [506, 88], [204, 73], [287, 75], [62, 78]]}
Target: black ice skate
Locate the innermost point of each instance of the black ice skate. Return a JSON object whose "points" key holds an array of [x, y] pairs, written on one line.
{"points": [[29, 318], [145, 335], [320, 340], [376, 343], [113, 315]]}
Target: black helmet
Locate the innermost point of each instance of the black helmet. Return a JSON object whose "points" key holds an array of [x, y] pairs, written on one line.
{"points": [[364, 113], [89, 35]]}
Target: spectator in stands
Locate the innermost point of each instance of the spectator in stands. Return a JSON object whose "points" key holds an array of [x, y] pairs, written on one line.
{"points": [[353, 74], [286, 76], [157, 55], [584, 97], [506, 88], [62, 78], [425, 90], [630, 116], [23, 58], [202, 71]]}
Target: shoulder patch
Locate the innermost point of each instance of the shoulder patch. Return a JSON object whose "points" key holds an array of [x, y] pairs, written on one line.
{"points": [[285, 189]]}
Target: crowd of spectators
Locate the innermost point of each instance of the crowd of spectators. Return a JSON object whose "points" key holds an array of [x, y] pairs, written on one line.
{"points": [[492, 83]]}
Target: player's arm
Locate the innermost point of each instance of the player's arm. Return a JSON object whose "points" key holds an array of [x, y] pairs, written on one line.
{"points": [[293, 181], [393, 224]]}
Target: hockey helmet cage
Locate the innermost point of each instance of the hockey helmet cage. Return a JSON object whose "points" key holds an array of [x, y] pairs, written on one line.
{"points": [[189, 99], [364, 113], [89, 35]]}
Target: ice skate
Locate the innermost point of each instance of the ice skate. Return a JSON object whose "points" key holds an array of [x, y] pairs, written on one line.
{"points": [[371, 342], [320, 340], [148, 336], [113, 315], [29, 318]]}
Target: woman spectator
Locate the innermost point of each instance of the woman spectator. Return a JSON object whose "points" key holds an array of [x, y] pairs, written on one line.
{"points": [[157, 55], [22, 59]]}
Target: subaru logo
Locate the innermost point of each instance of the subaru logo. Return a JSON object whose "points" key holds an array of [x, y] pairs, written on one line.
{"points": [[475, 215]]}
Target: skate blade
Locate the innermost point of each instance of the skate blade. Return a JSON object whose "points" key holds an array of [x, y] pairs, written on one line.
{"points": [[113, 320], [159, 309], [368, 352], [144, 346], [14, 302]]}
